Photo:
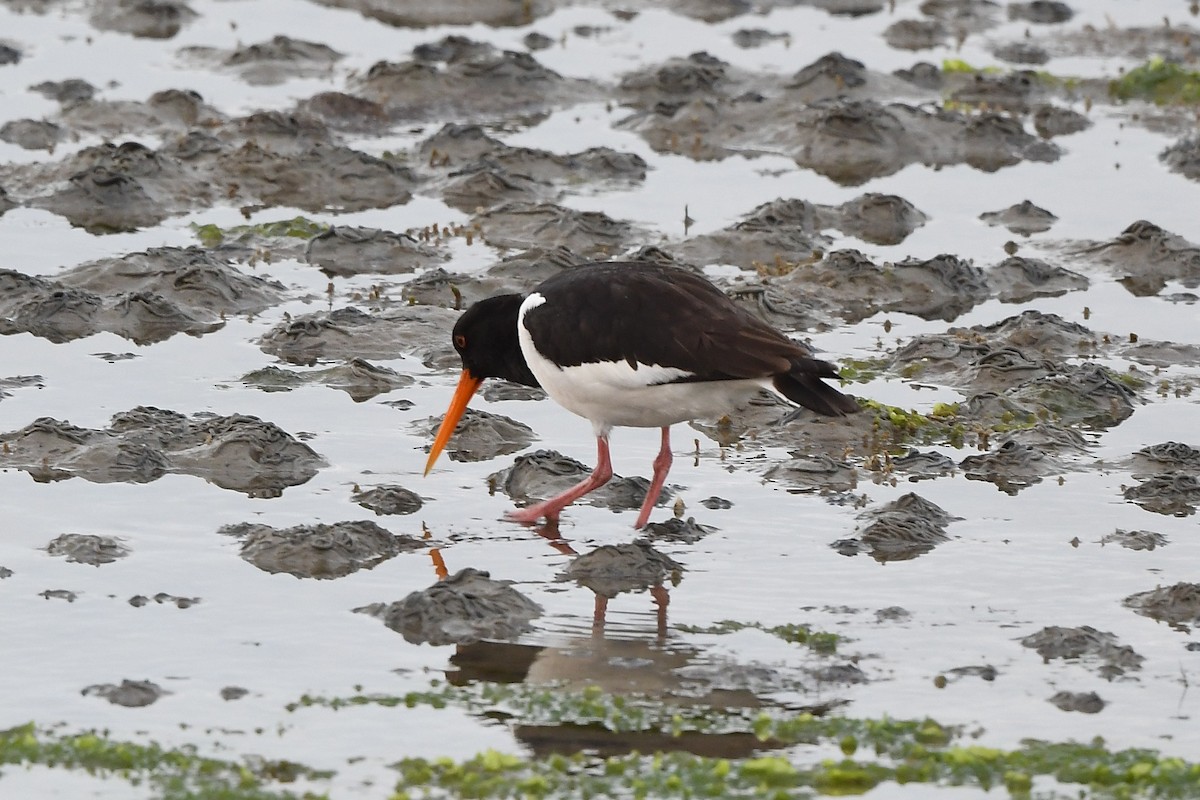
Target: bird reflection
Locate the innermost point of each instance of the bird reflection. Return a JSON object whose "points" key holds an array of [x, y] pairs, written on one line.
{"points": [[630, 658], [625, 663], [549, 531], [618, 665]]}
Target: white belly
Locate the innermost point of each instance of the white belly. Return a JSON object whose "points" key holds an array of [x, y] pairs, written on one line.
{"points": [[615, 394]]}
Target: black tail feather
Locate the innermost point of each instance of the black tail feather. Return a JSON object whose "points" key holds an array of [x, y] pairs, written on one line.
{"points": [[804, 385]]}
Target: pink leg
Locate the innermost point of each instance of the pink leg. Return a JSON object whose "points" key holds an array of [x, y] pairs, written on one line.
{"points": [[662, 464], [550, 509]]}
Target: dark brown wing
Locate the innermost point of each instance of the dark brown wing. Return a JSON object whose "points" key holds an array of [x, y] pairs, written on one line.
{"points": [[656, 315], [666, 316]]}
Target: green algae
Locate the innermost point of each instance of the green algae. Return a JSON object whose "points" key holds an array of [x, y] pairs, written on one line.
{"points": [[172, 774], [955, 425], [900, 427], [635, 713], [1160, 82], [1089, 770], [872, 752], [821, 642], [944, 410], [905, 421], [295, 228], [957, 66], [1129, 380], [557, 705], [861, 370]]}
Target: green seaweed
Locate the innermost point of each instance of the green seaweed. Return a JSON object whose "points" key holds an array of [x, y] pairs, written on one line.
{"points": [[907, 424], [943, 410], [635, 713], [957, 66], [1129, 379], [174, 774], [945, 424], [904, 758], [873, 752], [861, 370], [558, 705], [1161, 82], [821, 642], [297, 228]]}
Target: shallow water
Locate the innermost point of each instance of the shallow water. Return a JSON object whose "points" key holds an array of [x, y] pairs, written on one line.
{"points": [[1013, 565]]}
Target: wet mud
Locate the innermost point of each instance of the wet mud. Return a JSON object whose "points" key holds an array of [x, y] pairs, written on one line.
{"points": [[345, 250], [384, 500], [1082, 702], [349, 332], [1168, 476], [358, 378], [1177, 605], [319, 551], [1099, 650], [1144, 258], [676, 530], [241, 453], [131, 694], [87, 548], [545, 473], [1136, 540], [1024, 218], [899, 530], [144, 297], [163, 598], [268, 63], [613, 569], [482, 436], [463, 608]]}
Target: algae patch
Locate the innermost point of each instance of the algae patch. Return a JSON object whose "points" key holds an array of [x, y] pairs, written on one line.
{"points": [[905, 752], [171, 774], [557, 706], [874, 752], [1161, 82], [211, 235], [821, 642]]}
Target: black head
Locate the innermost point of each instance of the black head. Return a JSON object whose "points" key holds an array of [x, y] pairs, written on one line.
{"points": [[485, 337]]}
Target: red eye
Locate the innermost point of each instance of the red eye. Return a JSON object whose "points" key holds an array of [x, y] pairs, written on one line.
{"points": [[460, 341]]}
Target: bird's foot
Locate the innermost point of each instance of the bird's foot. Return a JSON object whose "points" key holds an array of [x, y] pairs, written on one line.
{"points": [[531, 515]]}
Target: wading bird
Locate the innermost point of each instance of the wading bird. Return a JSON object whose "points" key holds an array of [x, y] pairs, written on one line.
{"points": [[631, 344]]}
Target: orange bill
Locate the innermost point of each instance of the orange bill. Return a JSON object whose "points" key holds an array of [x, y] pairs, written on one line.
{"points": [[439, 563], [468, 384]]}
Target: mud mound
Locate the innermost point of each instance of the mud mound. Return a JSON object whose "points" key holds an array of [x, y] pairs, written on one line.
{"points": [[237, 452], [1096, 648], [319, 551], [899, 530], [610, 570], [545, 473], [463, 608]]}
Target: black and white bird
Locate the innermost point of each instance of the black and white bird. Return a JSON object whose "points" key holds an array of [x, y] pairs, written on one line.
{"points": [[631, 344]]}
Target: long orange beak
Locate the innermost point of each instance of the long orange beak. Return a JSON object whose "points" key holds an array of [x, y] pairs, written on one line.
{"points": [[468, 384]]}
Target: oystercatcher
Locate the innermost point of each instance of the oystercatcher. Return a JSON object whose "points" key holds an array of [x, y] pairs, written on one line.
{"points": [[631, 344]]}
